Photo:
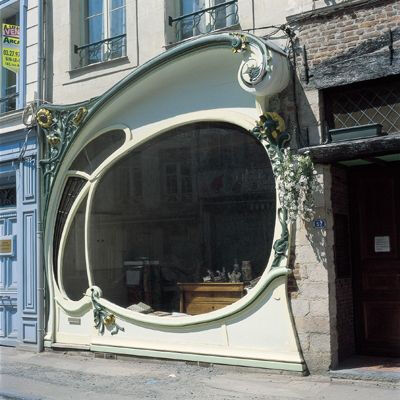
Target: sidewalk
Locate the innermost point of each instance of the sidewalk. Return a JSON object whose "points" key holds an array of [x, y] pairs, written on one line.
{"points": [[78, 376]]}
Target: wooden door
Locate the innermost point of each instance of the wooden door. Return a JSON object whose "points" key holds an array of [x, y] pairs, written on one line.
{"points": [[375, 218]]}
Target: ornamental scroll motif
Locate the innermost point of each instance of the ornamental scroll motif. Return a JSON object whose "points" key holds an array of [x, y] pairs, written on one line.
{"points": [[102, 317], [59, 124], [263, 71]]}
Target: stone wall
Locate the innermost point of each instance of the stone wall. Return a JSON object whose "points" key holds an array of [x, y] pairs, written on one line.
{"points": [[312, 287], [343, 43]]}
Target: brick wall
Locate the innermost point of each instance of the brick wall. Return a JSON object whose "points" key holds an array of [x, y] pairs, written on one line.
{"points": [[331, 35], [347, 43]]}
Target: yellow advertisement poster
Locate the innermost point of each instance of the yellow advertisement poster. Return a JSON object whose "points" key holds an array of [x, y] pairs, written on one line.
{"points": [[10, 55]]}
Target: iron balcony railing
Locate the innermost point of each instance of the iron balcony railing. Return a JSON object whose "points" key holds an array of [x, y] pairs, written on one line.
{"points": [[206, 20], [9, 101], [103, 50]]}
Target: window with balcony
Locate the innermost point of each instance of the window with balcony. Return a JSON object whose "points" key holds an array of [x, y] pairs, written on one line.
{"points": [[103, 31], [197, 17]]}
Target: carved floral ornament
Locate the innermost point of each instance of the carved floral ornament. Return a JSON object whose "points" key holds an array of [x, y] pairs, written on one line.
{"points": [[102, 317], [46, 120], [59, 124]]}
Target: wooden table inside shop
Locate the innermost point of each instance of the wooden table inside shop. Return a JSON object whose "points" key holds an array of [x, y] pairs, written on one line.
{"points": [[200, 298]]}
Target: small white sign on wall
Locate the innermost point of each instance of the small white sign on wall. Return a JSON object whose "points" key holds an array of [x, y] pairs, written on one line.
{"points": [[382, 244]]}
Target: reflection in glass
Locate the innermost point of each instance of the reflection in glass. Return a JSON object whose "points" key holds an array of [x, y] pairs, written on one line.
{"points": [[96, 151], [74, 275], [71, 191], [194, 201]]}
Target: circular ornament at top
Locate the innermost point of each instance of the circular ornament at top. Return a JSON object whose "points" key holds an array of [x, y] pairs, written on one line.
{"points": [[254, 66], [44, 118], [264, 71]]}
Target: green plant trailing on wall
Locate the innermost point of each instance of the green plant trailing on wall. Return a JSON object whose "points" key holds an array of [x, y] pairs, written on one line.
{"points": [[295, 174], [295, 177], [296, 184]]}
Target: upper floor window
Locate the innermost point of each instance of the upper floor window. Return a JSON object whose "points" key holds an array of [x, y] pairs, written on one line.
{"points": [[103, 33], [197, 17], [364, 105], [10, 60]]}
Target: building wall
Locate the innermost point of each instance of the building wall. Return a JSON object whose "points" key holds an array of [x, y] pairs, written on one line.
{"points": [[18, 148], [357, 31], [313, 289], [148, 35], [31, 49], [343, 43], [23, 275]]}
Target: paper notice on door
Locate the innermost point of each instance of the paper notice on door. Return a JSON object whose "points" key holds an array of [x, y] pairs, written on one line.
{"points": [[382, 244]]}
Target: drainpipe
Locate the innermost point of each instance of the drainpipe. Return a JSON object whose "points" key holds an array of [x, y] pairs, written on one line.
{"points": [[39, 227]]}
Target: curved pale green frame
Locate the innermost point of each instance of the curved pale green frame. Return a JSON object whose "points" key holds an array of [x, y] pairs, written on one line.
{"points": [[64, 124], [280, 246]]}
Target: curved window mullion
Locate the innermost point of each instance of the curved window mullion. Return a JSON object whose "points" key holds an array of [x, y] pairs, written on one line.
{"points": [[91, 194], [75, 193]]}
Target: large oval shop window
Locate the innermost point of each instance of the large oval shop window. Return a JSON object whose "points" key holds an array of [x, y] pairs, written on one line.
{"points": [[185, 222]]}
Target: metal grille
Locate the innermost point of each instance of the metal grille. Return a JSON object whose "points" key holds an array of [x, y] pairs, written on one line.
{"points": [[103, 50], [72, 189], [206, 20], [8, 197], [376, 102]]}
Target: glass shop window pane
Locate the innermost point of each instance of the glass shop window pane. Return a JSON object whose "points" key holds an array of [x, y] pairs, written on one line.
{"points": [[96, 151], [193, 201], [74, 276]]}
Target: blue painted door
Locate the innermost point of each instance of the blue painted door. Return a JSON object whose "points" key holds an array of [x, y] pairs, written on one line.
{"points": [[8, 280]]}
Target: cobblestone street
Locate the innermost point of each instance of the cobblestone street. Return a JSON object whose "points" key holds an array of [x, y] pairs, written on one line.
{"points": [[49, 375]]}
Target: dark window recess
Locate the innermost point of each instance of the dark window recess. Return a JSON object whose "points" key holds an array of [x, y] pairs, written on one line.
{"points": [[371, 102], [342, 246], [8, 196], [72, 188], [96, 151], [73, 270]]}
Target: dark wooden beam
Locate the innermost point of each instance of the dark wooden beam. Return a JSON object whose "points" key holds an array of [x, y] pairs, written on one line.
{"points": [[350, 150]]}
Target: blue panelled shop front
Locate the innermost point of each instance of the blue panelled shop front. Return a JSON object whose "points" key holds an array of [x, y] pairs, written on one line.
{"points": [[18, 251]]}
